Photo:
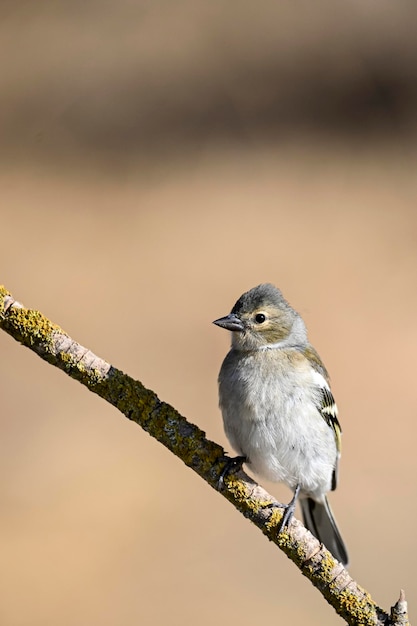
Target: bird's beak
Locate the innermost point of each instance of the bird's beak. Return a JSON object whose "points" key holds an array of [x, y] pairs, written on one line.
{"points": [[230, 322]]}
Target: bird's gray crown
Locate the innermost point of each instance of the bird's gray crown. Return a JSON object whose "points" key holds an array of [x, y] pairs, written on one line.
{"points": [[263, 295]]}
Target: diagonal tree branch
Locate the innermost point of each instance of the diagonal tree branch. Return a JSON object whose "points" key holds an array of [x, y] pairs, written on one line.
{"points": [[205, 457]]}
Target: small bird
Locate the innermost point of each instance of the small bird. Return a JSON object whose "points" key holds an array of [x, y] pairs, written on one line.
{"points": [[278, 410]]}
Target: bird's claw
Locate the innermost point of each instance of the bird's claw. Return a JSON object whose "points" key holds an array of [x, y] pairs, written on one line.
{"points": [[234, 465]]}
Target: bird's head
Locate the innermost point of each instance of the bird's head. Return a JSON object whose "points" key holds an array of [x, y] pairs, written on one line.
{"points": [[261, 318]]}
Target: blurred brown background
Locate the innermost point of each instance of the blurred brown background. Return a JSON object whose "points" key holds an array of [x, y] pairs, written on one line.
{"points": [[156, 161]]}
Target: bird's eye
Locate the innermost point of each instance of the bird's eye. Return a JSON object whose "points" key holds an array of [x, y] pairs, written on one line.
{"points": [[260, 318]]}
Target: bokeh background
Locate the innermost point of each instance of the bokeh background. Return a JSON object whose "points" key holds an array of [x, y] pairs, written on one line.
{"points": [[157, 160]]}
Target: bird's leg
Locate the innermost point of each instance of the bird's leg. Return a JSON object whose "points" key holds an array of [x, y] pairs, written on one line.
{"points": [[234, 465], [289, 510]]}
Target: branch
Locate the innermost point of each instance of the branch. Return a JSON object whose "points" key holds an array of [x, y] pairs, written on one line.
{"points": [[205, 457]]}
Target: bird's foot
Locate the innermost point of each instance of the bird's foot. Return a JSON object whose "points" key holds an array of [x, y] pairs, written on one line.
{"points": [[287, 517], [289, 510], [232, 465]]}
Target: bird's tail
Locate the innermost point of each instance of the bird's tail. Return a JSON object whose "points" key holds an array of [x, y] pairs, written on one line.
{"points": [[319, 520]]}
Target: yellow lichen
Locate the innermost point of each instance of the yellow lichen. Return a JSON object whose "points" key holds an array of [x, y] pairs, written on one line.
{"points": [[30, 327], [274, 519]]}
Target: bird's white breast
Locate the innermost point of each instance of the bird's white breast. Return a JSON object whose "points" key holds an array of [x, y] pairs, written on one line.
{"points": [[270, 415]]}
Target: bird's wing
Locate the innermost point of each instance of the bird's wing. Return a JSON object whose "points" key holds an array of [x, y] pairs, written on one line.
{"points": [[326, 404], [328, 411]]}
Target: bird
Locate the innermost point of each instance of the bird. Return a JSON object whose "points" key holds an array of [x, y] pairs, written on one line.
{"points": [[279, 413]]}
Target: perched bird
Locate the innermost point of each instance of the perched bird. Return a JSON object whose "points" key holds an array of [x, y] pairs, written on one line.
{"points": [[278, 410]]}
